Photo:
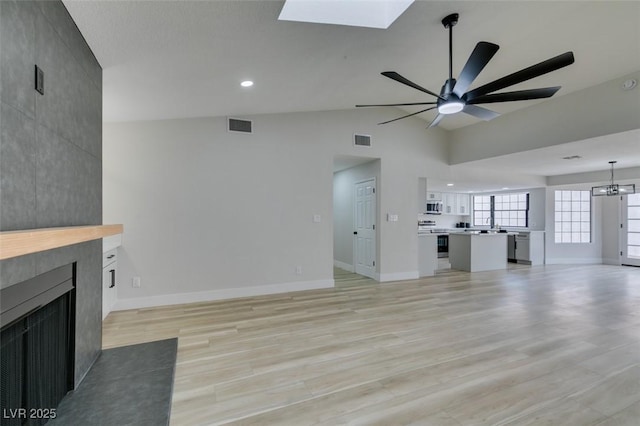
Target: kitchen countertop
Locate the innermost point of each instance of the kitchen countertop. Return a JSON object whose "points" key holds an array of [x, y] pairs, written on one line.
{"points": [[471, 231], [484, 234]]}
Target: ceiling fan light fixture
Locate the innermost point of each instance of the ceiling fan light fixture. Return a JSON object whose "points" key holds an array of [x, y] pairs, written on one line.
{"points": [[454, 97], [451, 107]]}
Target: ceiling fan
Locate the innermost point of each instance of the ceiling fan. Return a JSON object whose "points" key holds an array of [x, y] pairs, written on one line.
{"points": [[454, 96]]}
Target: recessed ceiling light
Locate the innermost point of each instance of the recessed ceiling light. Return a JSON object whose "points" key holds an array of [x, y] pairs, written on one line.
{"points": [[506, 187], [449, 184], [246, 83]]}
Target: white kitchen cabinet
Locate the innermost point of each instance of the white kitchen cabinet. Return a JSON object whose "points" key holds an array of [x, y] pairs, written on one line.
{"points": [[463, 205], [109, 268], [449, 202], [434, 196]]}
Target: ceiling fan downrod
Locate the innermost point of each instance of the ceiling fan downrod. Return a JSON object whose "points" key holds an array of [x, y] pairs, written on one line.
{"points": [[449, 22]]}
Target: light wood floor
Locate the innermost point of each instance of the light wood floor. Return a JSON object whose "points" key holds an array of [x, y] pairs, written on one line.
{"points": [[557, 345]]}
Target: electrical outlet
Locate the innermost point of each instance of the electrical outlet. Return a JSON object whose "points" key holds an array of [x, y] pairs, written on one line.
{"points": [[135, 282], [298, 270]]}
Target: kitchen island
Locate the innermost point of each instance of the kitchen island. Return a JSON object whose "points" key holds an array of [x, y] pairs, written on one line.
{"points": [[474, 252]]}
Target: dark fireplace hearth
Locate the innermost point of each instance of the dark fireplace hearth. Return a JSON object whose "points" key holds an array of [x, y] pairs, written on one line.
{"points": [[37, 346]]}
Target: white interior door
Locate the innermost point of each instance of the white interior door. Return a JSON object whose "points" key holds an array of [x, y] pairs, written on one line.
{"points": [[365, 228], [631, 230]]}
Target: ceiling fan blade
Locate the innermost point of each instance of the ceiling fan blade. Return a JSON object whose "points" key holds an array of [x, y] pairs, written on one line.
{"points": [[533, 71], [383, 105], [480, 57], [400, 79], [436, 120], [405, 116], [520, 95], [479, 112]]}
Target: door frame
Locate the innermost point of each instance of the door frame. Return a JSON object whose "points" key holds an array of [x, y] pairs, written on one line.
{"points": [[624, 223], [374, 273]]}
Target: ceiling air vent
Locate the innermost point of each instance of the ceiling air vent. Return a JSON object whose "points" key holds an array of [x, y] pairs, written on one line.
{"points": [[362, 140], [239, 126]]}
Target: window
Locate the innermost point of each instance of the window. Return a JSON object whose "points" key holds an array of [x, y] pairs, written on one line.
{"points": [[481, 210], [510, 210], [572, 217]]}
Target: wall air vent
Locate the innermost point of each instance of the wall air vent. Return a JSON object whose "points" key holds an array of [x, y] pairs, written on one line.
{"points": [[239, 126], [362, 140]]}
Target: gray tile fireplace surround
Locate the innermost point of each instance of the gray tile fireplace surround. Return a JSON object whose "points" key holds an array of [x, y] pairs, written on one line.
{"points": [[129, 385], [51, 153]]}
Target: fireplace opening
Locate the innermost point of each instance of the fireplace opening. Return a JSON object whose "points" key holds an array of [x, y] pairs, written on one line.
{"points": [[37, 340]]}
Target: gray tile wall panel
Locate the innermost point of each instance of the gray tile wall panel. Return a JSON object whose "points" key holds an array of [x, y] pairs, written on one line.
{"points": [[72, 105], [57, 15], [17, 55], [52, 56], [68, 189], [51, 170], [18, 166], [17, 269]]}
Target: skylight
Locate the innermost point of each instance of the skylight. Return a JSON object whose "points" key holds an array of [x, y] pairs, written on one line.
{"points": [[357, 13]]}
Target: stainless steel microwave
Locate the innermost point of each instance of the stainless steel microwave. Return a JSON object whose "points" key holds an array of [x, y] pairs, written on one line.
{"points": [[434, 207]]}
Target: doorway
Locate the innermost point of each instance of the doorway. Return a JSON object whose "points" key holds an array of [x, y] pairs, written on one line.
{"points": [[630, 241], [355, 210]]}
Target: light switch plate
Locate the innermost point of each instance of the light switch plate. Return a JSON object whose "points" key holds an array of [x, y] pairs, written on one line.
{"points": [[317, 218]]}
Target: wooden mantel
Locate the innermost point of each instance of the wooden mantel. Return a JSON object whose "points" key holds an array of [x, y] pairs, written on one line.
{"points": [[19, 243]]}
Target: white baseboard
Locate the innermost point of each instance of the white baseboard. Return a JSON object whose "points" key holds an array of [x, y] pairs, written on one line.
{"points": [[615, 262], [574, 261], [398, 276], [343, 265], [227, 293]]}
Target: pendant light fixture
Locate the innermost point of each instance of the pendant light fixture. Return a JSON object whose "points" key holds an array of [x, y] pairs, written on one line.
{"points": [[613, 188]]}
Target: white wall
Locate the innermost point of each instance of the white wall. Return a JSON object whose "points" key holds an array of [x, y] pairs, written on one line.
{"points": [[210, 214], [343, 211]]}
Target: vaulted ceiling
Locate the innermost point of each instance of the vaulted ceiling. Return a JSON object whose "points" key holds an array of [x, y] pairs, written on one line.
{"points": [[175, 59]]}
